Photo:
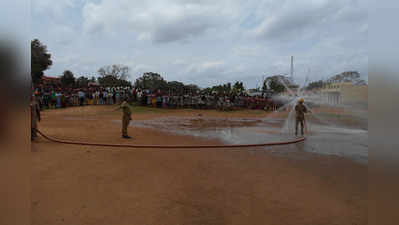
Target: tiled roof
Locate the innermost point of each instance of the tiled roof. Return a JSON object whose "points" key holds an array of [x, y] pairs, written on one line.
{"points": [[50, 78]]}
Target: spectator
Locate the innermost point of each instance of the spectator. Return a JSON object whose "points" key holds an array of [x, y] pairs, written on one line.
{"points": [[81, 95]]}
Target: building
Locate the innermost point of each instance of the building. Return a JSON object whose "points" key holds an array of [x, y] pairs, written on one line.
{"points": [[345, 93], [47, 80]]}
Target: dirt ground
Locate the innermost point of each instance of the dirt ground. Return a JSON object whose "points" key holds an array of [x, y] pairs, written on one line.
{"points": [[84, 185]]}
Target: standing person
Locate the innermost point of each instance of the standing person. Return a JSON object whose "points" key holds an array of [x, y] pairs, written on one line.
{"points": [[144, 99], [53, 99], [46, 99], [153, 100], [35, 116], [90, 96], [127, 116], [101, 97], [111, 97], [117, 97], [164, 100], [139, 96], [114, 96], [300, 111], [96, 96], [106, 96], [68, 98], [63, 103], [81, 95], [75, 98], [58, 99], [158, 99], [135, 94]]}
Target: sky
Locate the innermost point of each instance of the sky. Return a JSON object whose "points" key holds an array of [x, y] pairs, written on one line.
{"points": [[205, 42]]}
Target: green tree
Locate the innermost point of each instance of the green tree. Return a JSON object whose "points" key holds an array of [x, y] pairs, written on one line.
{"points": [[175, 87], [67, 79], [275, 84], [114, 75], [151, 81], [191, 89], [82, 82], [220, 89], [315, 85], [347, 76], [238, 87], [108, 81], [40, 60]]}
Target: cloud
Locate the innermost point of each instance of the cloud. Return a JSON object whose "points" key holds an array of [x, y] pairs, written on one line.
{"points": [[246, 51], [308, 19], [205, 42], [159, 21], [51, 8], [204, 67]]}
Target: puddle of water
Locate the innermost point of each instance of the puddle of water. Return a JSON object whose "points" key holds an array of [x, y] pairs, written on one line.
{"points": [[322, 139]]}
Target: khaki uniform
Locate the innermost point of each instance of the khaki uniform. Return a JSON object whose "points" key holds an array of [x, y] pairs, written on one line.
{"points": [[35, 117], [126, 117], [300, 111]]}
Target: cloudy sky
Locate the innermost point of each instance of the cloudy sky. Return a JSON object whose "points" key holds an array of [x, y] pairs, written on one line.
{"points": [[205, 42]]}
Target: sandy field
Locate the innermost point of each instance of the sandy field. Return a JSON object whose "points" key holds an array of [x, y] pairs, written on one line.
{"points": [[85, 185]]}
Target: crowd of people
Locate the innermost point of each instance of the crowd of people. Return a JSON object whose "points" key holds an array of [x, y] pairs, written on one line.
{"points": [[52, 98], [207, 101]]}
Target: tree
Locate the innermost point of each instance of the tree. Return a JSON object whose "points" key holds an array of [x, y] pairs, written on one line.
{"points": [[175, 87], [238, 87], [120, 72], [191, 89], [151, 81], [108, 81], [67, 79], [315, 85], [275, 84], [82, 82], [115, 75], [347, 76], [40, 60], [219, 89]]}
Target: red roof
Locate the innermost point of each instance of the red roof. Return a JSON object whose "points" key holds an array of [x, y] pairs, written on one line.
{"points": [[50, 78]]}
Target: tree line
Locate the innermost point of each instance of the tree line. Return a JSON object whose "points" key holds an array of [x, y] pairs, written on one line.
{"points": [[118, 75]]}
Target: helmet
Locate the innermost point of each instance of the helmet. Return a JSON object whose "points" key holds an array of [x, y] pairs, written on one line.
{"points": [[301, 100]]}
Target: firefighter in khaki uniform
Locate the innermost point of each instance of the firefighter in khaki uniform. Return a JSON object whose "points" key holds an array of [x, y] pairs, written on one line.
{"points": [[127, 116], [300, 111]]}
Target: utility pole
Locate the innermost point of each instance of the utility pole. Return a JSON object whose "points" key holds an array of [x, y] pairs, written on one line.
{"points": [[292, 69]]}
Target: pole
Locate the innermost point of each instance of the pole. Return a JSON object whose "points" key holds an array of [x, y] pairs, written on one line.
{"points": [[292, 69]]}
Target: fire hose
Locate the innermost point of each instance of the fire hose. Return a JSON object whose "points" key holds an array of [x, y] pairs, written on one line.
{"points": [[169, 146]]}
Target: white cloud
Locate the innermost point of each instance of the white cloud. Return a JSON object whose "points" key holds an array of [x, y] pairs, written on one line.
{"points": [[204, 41], [203, 67], [308, 19], [55, 8], [159, 21], [246, 51]]}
